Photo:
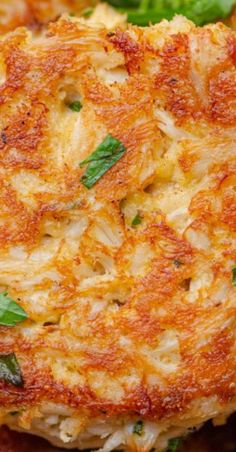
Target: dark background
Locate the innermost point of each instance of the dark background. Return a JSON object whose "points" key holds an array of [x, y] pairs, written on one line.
{"points": [[208, 439]]}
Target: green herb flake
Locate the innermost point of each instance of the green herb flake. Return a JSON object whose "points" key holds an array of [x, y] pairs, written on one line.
{"points": [[174, 444], [234, 276], [101, 160], [138, 428], [136, 221], [75, 106], [87, 12], [10, 312], [177, 263], [10, 370]]}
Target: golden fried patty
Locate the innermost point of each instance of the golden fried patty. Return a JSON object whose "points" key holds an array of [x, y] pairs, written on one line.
{"points": [[118, 231]]}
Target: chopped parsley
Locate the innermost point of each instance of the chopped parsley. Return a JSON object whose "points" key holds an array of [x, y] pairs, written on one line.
{"points": [[138, 428], [10, 370], [75, 106], [136, 221], [87, 12], [234, 276], [174, 444], [10, 312], [101, 160]]}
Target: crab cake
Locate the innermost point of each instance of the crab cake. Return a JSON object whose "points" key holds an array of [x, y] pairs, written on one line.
{"points": [[117, 232]]}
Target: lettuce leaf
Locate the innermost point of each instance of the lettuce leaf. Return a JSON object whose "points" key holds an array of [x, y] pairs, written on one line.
{"points": [[199, 11]]}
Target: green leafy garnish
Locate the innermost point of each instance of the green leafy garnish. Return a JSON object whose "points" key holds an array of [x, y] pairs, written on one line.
{"points": [[10, 312], [141, 12], [234, 276], [101, 160], [138, 428], [75, 106], [10, 370], [174, 444], [136, 221]]}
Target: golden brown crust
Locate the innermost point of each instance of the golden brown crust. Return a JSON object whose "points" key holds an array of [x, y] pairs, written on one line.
{"points": [[37, 13]]}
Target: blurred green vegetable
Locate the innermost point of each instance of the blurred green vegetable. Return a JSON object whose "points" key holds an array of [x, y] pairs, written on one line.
{"points": [[141, 12], [174, 444]]}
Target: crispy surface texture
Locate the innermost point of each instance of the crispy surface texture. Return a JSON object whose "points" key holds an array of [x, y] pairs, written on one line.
{"points": [[35, 13], [125, 323]]}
